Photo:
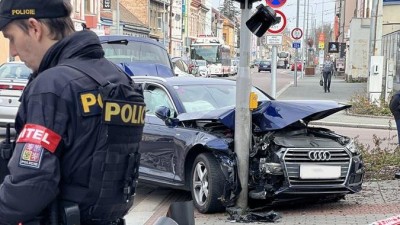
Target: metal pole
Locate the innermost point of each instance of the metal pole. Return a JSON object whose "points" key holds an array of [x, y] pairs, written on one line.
{"points": [[118, 18], [306, 36], [273, 70], [296, 58], [242, 117], [303, 48], [163, 23]]}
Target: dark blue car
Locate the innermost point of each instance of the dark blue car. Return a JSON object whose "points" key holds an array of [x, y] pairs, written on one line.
{"points": [[137, 56], [188, 143]]}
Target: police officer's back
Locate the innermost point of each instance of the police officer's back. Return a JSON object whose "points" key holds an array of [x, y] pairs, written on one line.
{"points": [[79, 123]]}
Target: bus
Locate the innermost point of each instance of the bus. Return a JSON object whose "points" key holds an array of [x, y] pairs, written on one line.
{"points": [[215, 52]]}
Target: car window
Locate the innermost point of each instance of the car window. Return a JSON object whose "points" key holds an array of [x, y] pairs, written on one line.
{"points": [[265, 63], [154, 97], [122, 52], [196, 98], [14, 71]]}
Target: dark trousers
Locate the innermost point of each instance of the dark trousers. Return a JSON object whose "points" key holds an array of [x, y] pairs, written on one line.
{"points": [[327, 81]]}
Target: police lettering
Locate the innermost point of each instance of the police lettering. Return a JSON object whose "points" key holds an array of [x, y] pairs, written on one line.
{"points": [[124, 113], [92, 103], [90, 99], [15, 12]]}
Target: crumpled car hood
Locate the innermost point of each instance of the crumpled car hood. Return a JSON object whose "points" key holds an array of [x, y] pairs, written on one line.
{"points": [[273, 115], [146, 69]]}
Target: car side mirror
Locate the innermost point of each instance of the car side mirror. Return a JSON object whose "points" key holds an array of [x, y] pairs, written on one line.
{"points": [[164, 113], [262, 20]]}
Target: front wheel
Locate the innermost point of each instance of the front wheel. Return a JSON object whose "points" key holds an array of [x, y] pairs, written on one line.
{"points": [[207, 184]]}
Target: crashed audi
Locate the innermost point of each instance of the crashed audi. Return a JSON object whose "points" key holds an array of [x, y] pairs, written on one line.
{"points": [[188, 143]]}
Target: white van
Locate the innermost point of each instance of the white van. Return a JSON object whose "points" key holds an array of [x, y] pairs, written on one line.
{"points": [[234, 66]]}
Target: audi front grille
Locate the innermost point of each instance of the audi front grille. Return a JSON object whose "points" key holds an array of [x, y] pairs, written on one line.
{"points": [[294, 157]]}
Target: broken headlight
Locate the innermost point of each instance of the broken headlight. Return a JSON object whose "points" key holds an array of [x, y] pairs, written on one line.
{"points": [[352, 147], [270, 168]]}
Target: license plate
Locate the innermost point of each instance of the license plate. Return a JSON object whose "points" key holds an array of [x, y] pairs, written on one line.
{"points": [[319, 172]]}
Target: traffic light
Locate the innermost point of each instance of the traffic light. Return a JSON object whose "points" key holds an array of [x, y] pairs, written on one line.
{"points": [[262, 20]]}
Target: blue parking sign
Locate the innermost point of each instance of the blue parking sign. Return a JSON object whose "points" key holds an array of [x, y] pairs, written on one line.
{"points": [[296, 45], [275, 3]]}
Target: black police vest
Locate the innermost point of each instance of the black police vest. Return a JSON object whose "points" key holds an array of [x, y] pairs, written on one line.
{"points": [[115, 167]]}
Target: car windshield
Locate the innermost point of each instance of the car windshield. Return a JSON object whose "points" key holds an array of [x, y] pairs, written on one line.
{"points": [[201, 63], [135, 51], [265, 62], [14, 71], [196, 98]]}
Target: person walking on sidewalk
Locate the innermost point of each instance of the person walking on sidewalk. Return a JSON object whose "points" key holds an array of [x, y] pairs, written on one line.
{"points": [[327, 71], [395, 109]]}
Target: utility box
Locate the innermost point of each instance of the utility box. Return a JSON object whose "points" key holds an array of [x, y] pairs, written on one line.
{"points": [[375, 79]]}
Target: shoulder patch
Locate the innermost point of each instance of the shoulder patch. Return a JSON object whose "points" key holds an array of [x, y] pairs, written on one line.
{"points": [[39, 135], [31, 156], [91, 103]]}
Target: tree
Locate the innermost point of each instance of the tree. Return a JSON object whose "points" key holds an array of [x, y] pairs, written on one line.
{"points": [[229, 10]]}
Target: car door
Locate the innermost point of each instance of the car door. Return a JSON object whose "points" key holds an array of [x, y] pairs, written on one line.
{"points": [[157, 148]]}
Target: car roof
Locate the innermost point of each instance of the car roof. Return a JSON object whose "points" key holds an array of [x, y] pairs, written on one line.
{"points": [[108, 38], [186, 80]]}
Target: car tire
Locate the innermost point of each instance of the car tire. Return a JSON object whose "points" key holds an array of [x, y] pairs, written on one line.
{"points": [[207, 184], [259, 70]]}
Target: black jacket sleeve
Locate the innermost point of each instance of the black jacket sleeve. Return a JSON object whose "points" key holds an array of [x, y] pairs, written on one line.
{"points": [[27, 191]]}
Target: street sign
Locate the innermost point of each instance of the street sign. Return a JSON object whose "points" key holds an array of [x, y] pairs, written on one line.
{"points": [[274, 39], [275, 3], [278, 28], [296, 45], [296, 33]]}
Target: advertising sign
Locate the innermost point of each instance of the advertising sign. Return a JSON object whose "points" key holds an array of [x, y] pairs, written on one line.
{"points": [[333, 47], [107, 4]]}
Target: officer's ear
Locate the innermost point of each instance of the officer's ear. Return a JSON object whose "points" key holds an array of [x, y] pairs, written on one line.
{"points": [[36, 29]]}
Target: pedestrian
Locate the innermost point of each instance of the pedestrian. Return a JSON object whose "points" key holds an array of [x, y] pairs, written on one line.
{"points": [[286, 63], [79, 123], [327, 70], [394, 106]]}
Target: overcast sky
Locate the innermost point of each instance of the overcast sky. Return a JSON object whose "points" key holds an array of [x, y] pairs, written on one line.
{"points": [[319, 9]]}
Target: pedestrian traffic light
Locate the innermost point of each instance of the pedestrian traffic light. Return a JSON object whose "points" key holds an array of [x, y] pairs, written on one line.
{"points": [[262, 20]]}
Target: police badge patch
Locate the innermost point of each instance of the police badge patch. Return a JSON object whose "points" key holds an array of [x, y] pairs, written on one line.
{"points": [[31, 156]]}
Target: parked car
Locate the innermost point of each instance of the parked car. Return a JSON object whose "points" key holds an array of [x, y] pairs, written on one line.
{"points": [[299, 66], [181, 69], [13, 79], [264, 66], [281, 64], [202, 68], [137, 56], [188, 143], [255, 63]]}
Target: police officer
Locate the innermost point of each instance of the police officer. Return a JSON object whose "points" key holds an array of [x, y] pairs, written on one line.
{"points": [[79, 123]]}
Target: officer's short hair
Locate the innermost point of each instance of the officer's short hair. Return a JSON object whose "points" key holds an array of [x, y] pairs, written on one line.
{"points": [[58, 27]]}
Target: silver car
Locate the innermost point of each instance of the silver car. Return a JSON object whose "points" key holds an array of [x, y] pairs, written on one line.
{"points": [[13, 79]]}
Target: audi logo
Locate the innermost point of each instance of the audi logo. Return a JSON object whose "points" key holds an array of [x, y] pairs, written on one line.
{"points": [[319, 155]]}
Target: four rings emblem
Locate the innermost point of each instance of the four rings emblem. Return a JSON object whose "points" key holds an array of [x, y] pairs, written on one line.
{"points": [[319, 155]]}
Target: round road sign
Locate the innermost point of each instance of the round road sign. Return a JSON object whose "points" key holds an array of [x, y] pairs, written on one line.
{"points": [[277, 28], [296, 33], [275, 3]]}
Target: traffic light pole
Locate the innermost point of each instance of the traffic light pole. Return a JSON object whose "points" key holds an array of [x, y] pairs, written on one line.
{"points": [[242, 113], [296, 58]]}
